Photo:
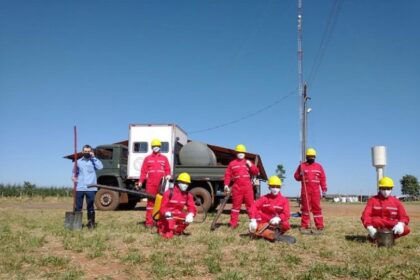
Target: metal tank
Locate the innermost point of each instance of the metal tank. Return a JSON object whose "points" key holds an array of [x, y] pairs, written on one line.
{"points": [[197, 154]]}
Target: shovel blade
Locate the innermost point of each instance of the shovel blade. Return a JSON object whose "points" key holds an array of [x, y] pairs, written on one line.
{"points": [[73, 220]]}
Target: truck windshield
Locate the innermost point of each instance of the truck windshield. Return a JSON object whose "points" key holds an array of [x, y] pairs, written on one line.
{"points": [[102, 153]]}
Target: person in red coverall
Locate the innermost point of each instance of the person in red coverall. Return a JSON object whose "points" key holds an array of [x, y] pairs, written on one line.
{"points": [[240, 171], [154, 168], [272, 208], [173, 217], [312, 176], [385, 211]]}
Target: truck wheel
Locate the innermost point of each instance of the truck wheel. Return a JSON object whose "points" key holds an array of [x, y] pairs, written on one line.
{"points": [[107, 200], [204, 196]]}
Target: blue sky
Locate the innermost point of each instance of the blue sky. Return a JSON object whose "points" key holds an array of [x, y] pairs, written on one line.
{"points": [[102, 65]]}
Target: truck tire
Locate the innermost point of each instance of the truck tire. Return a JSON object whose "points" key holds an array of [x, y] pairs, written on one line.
{"points": [[204, 196], [107, 200]]}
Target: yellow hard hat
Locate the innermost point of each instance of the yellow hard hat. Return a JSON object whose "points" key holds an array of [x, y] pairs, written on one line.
{"points": [[156, 142], [184, 177], [274, 181], [240, 148], [311, 152], [386, 182]]}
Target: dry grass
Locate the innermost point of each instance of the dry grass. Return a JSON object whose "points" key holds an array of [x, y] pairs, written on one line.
{"points": [[35, 245]]}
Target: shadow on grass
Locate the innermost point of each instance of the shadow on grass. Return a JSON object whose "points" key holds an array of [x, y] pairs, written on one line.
{"points": [[357, 238]]}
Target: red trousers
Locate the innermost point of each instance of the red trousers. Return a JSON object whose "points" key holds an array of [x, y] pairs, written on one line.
{"points": [[388, 224], [311, 202], [168, 227], [152, 187], [241, 192]]}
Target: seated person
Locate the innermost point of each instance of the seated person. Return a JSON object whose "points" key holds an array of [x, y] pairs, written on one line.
{"points": [[384, 211], [269, 212], [173, 217]]}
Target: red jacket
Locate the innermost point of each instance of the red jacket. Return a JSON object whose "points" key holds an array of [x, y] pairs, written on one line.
{"points": [[238, 170], [270, 206], [387, 208], [314, 175], [154, 165], [177, 202]]}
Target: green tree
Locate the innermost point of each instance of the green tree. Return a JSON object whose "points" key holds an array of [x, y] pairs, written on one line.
{"points": [[280, 171], [410, 185]]}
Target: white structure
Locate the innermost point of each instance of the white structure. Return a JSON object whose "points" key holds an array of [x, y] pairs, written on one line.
{"points": [[379, 160]]}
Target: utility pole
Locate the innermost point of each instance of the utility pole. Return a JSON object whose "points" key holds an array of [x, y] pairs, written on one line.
{"points": [[302, 88]]}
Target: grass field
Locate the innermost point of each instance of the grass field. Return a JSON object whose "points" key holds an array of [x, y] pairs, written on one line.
{"points": [[35, 245]]}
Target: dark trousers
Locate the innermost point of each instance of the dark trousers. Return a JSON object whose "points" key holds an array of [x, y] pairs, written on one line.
{"points": [[90, 199]]}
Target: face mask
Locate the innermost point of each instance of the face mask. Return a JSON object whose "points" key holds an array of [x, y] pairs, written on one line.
{"points": [[86, 155], [275, 191], [385, 193], [183, 186], [310, 160], [156, 149], [241, 155]]}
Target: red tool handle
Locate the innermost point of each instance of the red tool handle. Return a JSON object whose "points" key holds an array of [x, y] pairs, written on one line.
{"points": [[75, 168]]}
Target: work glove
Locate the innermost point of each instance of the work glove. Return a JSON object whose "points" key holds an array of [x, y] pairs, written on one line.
{"points": [[167, 177], [253, 225], [137, 185], [398, 228], [227, 189], [248, 162], [168, 214], [275, 221], [324, 194], [189, 218], [372, 231]]}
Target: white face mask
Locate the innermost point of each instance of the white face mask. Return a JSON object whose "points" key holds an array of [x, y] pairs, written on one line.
{"points": [[183, 186], [385, 193], [275, 191], [156, 149], [241, 155]]}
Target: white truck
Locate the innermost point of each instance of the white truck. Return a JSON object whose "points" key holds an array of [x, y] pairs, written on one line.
{"points": [[204, 162]]}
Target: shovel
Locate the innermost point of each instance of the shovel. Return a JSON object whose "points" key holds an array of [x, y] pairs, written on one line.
{"points": [[73, 220]]}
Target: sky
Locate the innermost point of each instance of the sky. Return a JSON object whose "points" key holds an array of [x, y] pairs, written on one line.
{"points": [[102, 65]]}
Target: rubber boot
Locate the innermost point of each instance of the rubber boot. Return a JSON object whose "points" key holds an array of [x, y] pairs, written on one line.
{"points": [[91, 220]]}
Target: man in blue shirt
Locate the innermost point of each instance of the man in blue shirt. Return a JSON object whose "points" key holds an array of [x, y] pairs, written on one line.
{"points": [[85, 175]]}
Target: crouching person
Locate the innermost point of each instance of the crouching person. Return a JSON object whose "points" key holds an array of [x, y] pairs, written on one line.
{"points": [[270, 213], [384, 211], [177, 209]]}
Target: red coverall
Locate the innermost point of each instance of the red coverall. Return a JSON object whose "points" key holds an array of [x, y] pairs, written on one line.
{"points": [[270, 206], [381, 212], [242, 190], [167, 227], [155, 166], [314, 179]]}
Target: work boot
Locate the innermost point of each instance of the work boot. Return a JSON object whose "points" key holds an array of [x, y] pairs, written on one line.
{"points": [[305, 230], [318, 231], [91, 220]]}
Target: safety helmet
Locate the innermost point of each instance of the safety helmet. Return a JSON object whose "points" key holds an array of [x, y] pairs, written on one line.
{"points": [[274, 181], [311, 152], [240, 148], [156, 143], [386, 182], [184, 177]]}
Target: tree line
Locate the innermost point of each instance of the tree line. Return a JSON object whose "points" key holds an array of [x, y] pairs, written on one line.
{"points": [[29, 189]]}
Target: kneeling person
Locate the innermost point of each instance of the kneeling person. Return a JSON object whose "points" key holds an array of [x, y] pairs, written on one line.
{"points": [[384, 211], [174, 218], [270, 212]]}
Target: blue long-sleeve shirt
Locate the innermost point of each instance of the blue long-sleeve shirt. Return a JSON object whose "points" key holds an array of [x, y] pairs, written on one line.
{"points": [[86, 173]]}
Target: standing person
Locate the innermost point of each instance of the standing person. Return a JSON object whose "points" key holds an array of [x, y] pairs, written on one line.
{"points": [[240, 171], [312, 176], [386, 212], [173, 217], [84, 175], [272, 208], [154, 168]]}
